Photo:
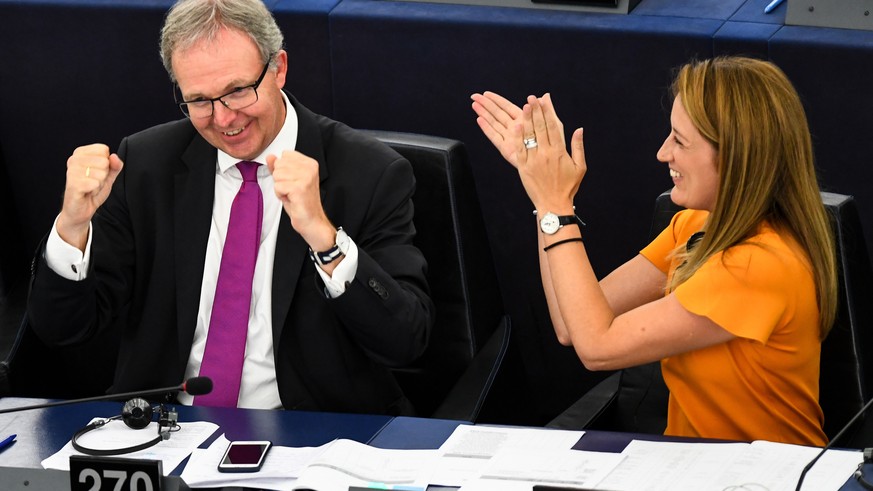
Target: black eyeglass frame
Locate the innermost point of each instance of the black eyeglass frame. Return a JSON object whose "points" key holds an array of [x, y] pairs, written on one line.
{"points": [[184, 104]]}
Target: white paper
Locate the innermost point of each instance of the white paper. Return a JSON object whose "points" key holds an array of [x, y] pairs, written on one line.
{"points": [[332, 466], [656, 466], [778, 466], [668, 466], [484, 441], [115, 434], [347, 463], [282, 466], [467, 450], [520, 469]]}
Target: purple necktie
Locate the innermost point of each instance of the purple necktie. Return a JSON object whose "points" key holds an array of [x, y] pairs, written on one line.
{"points": [[226, 341]]}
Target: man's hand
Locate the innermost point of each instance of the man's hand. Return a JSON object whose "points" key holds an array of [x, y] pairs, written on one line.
{"points": [[91, 171], [296, 183]]}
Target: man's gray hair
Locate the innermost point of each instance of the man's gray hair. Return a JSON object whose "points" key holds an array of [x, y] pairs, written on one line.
{"points": [[191, 21]]}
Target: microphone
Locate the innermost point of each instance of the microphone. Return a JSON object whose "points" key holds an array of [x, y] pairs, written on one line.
{"points": [[196, 386], [831, 443]]}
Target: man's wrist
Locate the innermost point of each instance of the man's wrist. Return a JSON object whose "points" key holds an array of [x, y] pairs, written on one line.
{"points": [[76, 235], [322, 238], [65, 259]]}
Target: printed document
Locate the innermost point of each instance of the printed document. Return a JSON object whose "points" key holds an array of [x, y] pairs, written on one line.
{"points": [[333, 466], [675, 466]]}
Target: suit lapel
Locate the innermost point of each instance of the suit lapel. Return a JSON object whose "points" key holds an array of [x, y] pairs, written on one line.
{"points": [[194, 193], [286, 270], [291, 249]]}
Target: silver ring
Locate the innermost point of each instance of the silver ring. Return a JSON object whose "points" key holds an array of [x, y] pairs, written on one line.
{"points": [[530, 143]]}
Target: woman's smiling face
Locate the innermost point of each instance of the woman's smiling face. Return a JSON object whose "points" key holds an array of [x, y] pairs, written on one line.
{"points": [[691, 159]]}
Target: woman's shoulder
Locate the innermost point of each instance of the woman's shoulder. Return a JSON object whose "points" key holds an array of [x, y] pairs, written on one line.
{"points": [[771, 253], [687, 222]]}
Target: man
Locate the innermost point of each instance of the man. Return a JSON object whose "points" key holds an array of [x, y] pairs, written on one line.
{"points": [[143, 240]]}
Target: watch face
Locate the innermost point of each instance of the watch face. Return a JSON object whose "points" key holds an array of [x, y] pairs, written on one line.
{"points": [[550, 223]]}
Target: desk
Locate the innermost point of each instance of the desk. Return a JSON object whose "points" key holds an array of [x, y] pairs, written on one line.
{"points": [[412, 433], [42, 432]]}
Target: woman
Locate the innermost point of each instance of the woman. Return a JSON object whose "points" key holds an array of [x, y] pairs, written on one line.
{"points": [[747, 301]]}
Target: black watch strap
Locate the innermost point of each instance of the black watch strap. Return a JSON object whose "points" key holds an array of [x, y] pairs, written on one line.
{"points": [[569, 219], [339, 248], [325, 257]]}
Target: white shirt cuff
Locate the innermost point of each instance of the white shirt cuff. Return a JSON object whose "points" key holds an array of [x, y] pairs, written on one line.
{"points": [[65, 259]]}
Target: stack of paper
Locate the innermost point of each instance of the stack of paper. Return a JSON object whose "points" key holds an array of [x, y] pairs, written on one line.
{"points": [[333, 466]]}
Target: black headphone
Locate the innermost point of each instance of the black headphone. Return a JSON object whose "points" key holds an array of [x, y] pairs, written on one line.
{"points": [[136, 414]]}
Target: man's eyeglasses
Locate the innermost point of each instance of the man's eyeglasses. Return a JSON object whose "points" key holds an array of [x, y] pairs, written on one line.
{"points": [[236, 99]]}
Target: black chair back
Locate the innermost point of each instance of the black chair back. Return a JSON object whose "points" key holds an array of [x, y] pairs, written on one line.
{"points": [[450, 232], [846, 380], [13, 259], [32, 369]]}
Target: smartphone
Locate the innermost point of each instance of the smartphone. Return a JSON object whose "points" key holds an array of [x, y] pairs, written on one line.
{"points": [[244, 456]]}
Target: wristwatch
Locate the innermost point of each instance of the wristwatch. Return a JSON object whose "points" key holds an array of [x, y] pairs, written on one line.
{"points": [[339, 249], [551, 223]]}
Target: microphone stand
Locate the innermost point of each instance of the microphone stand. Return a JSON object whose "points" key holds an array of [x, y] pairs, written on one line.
{"points": [[831, 443], [126, 395]]}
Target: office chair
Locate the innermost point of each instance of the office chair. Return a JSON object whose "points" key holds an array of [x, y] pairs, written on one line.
{"points": [[11, 270], [635, 399], [27, 367], [32, 369], [13, 259], [470, 341]]}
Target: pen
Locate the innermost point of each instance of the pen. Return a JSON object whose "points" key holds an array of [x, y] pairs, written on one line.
{"points": [[772, 5], [7, 441]]}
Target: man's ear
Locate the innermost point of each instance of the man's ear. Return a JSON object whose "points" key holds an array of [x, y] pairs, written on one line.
{"points": [[281, 67]]}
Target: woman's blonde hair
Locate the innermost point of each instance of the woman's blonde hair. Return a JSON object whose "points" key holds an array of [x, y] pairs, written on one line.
{"points": [[749, 111]]}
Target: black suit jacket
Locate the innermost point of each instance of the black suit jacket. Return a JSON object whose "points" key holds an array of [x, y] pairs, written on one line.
{"points": [[147, 260]]}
